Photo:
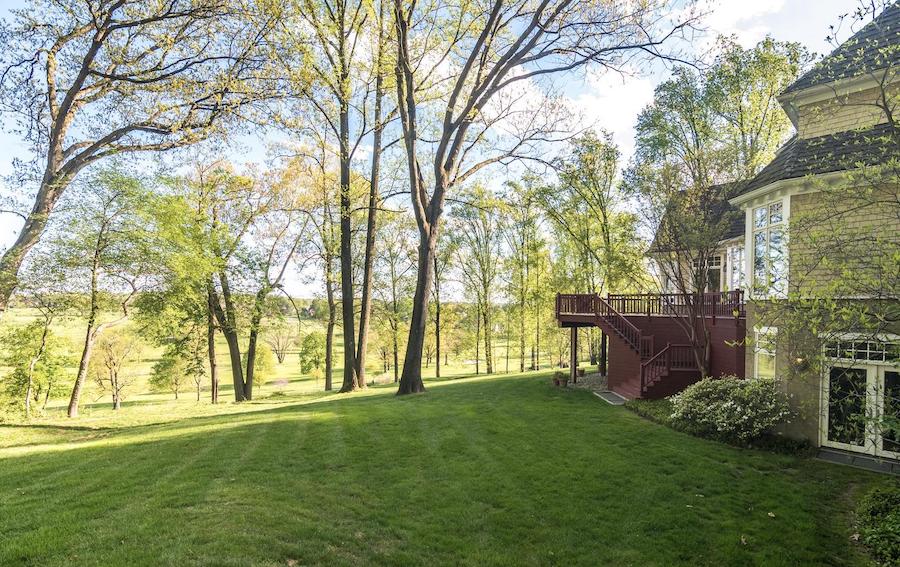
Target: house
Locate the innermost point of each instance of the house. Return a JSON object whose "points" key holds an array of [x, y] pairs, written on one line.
{"points": [[835, 178]]}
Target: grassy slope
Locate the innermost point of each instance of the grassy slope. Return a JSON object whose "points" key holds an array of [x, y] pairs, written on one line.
{"points": [[505, 470]]}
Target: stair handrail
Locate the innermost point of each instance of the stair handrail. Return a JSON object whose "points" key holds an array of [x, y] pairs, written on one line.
{"points": [[666, 364], [629, 327]]}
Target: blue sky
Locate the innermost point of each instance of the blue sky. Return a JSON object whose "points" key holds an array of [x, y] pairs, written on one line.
{"points": [[608, 101]]}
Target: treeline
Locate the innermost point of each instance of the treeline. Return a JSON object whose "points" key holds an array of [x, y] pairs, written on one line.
{"points": [[194, 258], [392, 121]]}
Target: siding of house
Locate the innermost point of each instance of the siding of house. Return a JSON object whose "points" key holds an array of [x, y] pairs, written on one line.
{"points": [[849, 112], [799, 382], [864, 227]]}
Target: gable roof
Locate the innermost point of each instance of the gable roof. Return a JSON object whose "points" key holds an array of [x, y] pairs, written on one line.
{"points": [[864, 51], [718, 210], [840, 151]]}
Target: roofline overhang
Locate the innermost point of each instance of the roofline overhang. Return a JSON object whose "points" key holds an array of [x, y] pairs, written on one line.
{"points": [[801, 184], [792, 101]]}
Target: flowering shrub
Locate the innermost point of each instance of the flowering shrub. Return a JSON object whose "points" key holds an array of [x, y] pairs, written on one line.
{"points": [[729, 408]]}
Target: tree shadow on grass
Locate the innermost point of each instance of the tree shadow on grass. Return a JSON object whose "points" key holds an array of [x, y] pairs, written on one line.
{"points": [[299, 403], [499, 471]]}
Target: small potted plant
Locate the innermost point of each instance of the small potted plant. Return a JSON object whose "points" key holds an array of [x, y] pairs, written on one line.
{"points": [[561, 379]]}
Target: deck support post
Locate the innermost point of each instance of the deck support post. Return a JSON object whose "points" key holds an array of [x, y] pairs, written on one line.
{"points": [[602, 368], [573, 355]]}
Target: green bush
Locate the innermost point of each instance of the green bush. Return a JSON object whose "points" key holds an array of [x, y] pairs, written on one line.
{"points": [[729, 408], [879, 523]]}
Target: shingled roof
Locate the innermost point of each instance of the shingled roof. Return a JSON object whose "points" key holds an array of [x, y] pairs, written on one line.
{"points": [[873, 47], [840, 151], [719, 209]]}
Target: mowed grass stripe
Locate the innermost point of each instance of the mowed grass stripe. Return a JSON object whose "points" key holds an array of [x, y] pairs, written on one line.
{"points": [[496, 471]]}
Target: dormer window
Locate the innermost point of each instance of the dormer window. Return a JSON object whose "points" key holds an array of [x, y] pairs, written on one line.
{"points": [[769, 250]]}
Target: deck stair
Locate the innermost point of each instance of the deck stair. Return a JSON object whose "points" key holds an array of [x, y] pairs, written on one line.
{"points": [[655, 366]]}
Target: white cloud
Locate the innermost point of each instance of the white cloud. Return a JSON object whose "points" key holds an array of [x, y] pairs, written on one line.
{"points": [[612, 102], [741, 18]]}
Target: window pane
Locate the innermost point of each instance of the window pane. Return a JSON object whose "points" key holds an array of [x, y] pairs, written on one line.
{"points": [[777, 263], [765, 365], [714, 280], [775, 214], [847, 405], [759, 260], [890, 426], [759, 217], [737, 267], [765, 342]]}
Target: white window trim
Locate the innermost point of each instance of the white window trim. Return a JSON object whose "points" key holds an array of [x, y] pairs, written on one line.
{"points": [[750, 249], [731, 267], [770, 331]]}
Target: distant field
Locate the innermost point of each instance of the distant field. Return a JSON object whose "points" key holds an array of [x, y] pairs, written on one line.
{"points": [[286, 378]]}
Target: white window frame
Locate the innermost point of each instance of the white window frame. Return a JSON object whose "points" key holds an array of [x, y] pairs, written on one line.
{"points": [[735, 269], [765, 291], [773, 332], [875, 376], [716, 262]]}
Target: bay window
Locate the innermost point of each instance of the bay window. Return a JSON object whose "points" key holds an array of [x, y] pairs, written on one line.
{"points": [[769, 268]]}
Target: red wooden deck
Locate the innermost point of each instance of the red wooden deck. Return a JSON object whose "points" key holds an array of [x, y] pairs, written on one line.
{"points": [[648, 352]]}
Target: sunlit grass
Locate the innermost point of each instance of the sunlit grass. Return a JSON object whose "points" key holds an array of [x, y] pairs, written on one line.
{"points": [[285, 380], [504, 471]]}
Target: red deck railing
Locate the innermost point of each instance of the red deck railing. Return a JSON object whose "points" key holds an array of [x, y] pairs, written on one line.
{"points": [[612, 310], [672, 357], [716, 304]]}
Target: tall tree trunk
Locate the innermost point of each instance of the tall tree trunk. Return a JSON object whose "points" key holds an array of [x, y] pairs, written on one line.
{"points": [[508, 338], [234, 358], [351, 381], [114, 386], [396, 348], [329, 333], [228, 324], [488, 332], [537, 340], [522, 335], [251, 364], [371, 225], [411, 378], [255, 323], [477, 337], [90, 336], [81, 376], [28, 391], [437, 320], [211, 349]]}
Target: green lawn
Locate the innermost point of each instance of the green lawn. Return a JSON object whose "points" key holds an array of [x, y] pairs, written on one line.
{"points": [[505, 470]]}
